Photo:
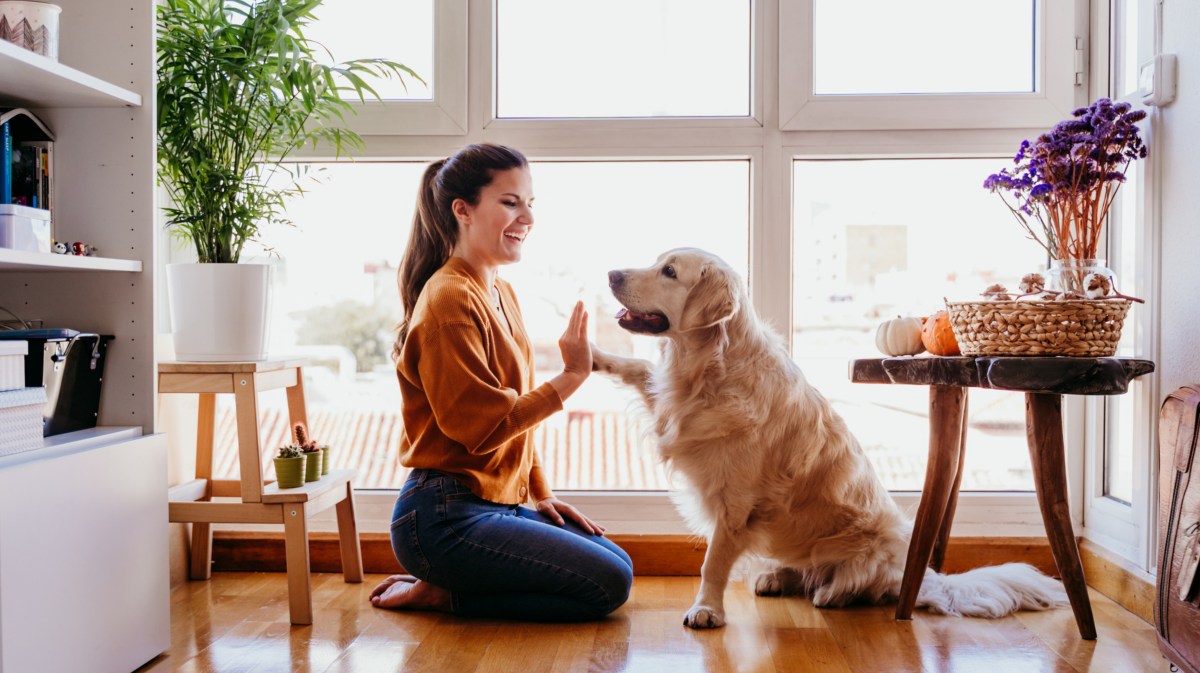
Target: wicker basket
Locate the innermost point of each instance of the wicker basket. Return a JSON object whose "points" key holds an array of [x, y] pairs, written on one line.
{"points": [[1078, 327]]}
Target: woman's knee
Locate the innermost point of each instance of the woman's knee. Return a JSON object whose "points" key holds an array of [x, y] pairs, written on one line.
{"points": [[615, 581]]}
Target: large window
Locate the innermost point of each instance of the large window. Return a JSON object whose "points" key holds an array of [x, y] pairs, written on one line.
{"points": [[838, 169]]}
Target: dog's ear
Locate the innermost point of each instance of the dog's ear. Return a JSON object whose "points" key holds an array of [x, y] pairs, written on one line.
{"points": [[711, 301]]}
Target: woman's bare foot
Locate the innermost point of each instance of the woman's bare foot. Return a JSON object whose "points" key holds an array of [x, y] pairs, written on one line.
{"points": [[405, 592], [390, 581]]}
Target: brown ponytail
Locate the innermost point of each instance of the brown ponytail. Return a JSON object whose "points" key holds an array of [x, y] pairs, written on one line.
{"points": [[435, 228]]}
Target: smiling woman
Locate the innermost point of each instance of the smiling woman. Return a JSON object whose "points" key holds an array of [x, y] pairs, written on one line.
{"points": [[476, 522]]}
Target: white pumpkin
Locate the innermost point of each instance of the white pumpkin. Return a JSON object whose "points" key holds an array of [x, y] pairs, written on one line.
{"points": [[901, 336]]}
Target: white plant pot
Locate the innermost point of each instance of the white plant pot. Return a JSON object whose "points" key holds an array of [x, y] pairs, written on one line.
{"points": [[219, 311]]}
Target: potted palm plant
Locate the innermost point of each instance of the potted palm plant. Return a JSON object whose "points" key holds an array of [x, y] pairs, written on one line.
{"points": [[240, 88]]}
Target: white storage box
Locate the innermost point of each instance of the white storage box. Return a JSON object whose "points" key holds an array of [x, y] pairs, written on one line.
{"points": [[21, 420], [24, 228], [31, 25], [12, 364]]}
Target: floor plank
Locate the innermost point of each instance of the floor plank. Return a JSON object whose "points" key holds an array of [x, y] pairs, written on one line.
{"points": [[239, 622]]}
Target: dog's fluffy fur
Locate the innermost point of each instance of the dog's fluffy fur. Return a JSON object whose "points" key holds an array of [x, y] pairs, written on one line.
{"points": [[770, 467]]}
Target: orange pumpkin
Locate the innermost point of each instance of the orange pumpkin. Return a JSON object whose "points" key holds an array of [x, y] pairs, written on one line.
{"points": [[937, 335]]}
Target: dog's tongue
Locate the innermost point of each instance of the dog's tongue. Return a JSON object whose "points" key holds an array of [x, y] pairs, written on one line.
{"points": [[651, 323]]}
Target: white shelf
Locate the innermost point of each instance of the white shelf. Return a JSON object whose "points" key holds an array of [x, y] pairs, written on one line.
{"points": [[23, 260], [71, 442], [33, 80]]}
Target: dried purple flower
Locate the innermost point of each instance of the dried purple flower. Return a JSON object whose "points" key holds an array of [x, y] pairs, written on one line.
{"points": [[1062, 184]]}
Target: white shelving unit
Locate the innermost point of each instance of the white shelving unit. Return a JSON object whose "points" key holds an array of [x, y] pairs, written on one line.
{"points": [[83, 520], [23, 260], [94, 101], [37, 80]]}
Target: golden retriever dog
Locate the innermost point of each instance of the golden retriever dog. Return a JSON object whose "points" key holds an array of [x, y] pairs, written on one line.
{"points": [[770, 468]]}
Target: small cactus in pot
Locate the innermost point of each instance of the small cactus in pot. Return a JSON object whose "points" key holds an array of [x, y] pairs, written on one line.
{"points": [[290, 466]]}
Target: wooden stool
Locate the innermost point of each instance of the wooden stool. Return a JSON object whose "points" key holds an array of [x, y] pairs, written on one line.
{"points": [[261, 502], [1044, 380]]}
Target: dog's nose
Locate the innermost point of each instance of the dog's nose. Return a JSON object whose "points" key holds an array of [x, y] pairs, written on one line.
{"points": [[615, 279]]}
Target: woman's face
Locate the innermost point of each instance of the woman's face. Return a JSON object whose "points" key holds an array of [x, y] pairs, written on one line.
{"points": [[492, 231]]}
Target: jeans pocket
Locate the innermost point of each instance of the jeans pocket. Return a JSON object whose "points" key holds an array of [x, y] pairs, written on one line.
{"points": [[407, 547]]}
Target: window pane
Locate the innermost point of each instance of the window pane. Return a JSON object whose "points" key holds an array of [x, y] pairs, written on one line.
{"points": [[871, 246], [1122, 435], [593, 217], [335, 302], [623, 58], [923, 46], [1125, 47], [399, 30]]}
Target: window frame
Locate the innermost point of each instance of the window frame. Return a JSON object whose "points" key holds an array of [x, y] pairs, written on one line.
{"points": [[1130, 529], [483, 62], [1060, 58], [446, 113]]}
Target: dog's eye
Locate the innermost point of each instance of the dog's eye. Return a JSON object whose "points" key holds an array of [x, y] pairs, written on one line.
{"points": [[669, 271]]}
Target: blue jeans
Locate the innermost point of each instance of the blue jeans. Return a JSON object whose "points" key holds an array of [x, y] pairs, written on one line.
{"points": [[504, 561]]}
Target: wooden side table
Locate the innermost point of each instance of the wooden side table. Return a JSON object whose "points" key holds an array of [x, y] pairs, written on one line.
{"points": [[1044, 380], [259, 501]]}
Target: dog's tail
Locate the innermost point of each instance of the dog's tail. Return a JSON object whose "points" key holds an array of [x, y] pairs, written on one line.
{"points": [[990, 592]]}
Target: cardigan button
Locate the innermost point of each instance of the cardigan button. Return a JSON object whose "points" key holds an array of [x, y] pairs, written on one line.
{"points": [[523, 492]]}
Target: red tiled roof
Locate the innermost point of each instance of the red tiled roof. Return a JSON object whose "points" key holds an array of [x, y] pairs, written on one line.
{"points": [[589, 451]]}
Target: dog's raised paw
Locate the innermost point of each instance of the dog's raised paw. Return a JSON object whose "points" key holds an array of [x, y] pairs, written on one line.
{"points": [[701, 617]]}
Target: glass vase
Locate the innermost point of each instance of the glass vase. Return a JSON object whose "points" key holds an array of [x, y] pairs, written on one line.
{"points": [[1070, 275]]}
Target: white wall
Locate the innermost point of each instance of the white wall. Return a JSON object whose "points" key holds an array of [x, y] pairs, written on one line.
{"points": [[1177, 141]]}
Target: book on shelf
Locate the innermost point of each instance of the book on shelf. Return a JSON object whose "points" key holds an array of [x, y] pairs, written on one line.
{"points": [[26, 160], [5, 163], [32, 180]]}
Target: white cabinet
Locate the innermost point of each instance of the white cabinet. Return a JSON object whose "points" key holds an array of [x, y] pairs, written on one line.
{"points": [[84, 580]]}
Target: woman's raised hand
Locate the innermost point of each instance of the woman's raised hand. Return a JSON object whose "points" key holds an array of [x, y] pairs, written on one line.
{"points": [[574, 344], [576, 354]]}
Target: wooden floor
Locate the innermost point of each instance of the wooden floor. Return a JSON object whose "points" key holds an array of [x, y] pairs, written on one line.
{"points": [[239, 622]]}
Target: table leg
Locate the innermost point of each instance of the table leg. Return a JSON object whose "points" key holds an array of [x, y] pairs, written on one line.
{"points": [[943, 539], [1043, 428], [946, 415]]}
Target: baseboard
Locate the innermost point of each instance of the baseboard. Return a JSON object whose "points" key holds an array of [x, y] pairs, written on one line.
{"points": [[235, 551], [1107, 573], [1127, 585], [651, 554]]}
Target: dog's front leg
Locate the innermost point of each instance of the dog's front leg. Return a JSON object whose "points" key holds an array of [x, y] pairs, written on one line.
{"points": [[633, 372], [708, 612]]}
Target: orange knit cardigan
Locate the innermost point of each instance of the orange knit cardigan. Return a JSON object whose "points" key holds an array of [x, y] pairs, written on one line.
{"points": [[467, 387]]}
